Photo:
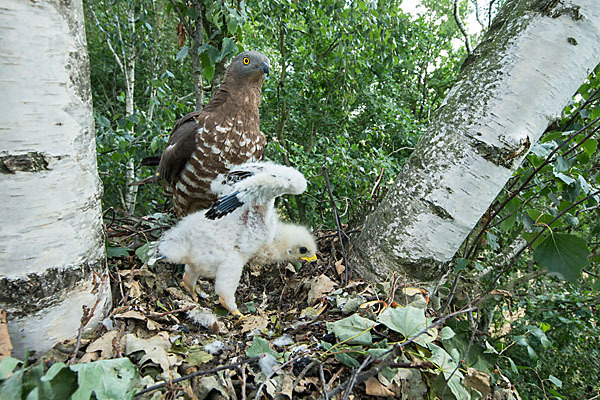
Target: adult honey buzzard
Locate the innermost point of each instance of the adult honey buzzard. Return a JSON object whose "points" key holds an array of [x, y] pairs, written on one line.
{"points": [[225, 133]]}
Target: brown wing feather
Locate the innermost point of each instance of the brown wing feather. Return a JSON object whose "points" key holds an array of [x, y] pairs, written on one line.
{"points": [[179, 148]]}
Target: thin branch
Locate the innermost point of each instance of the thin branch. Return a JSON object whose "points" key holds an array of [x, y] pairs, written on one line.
{"points": [[181, 17], [88, 314], [462, 29], [108, 42], [338, 223], [197, 373]]}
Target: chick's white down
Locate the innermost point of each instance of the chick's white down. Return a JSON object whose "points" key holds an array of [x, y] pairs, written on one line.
{"points": [[290, 243], [220, 248]]}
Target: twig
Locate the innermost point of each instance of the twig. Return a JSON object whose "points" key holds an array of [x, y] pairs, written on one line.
{"points": [[338, 224], [184, 309], [462, 29], [243, 378], [350, 385], [323, 383], [377, 182], [197, 373], [335, 234], [87, 316]]}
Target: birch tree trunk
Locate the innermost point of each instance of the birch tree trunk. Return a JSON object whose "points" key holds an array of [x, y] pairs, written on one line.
{"points": [[129, 66], [52, 259], [534, 57]]}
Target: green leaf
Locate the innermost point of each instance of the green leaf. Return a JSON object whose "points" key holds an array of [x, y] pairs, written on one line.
{"points": [[105, 379], [261, 346], [145, 252], [59, 383], [443, 360], [447, 333], [409, 321], [566, 179], [116, 251], [182, 53], [353, 329], [590, 146], [555, 380], [7, 365], [562, 164], [461, 264], [596, 286], [550, 136], [198, 357], [229, 47], [563, 254]]}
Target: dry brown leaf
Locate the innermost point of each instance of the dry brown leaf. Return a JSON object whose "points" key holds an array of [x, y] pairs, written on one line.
{"points": [[5, 343], [319, 286], [340, 267], [287, 386], [374, 388], [312, 312], [252, 322], [155, 349], [290, 268], [102, 348], [135, 290], [479, 381], [303, 384], [131, 314], [501, 292]]}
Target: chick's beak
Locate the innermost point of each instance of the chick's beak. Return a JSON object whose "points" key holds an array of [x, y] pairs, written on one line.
{"points": [[265, 68], [311, 258]]}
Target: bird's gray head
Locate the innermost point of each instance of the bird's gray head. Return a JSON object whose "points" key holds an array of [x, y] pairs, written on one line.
{"points": [[249, 65]]}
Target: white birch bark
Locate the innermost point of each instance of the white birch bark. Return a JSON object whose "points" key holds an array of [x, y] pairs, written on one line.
{"points": [[530, 63], [129, 62], [51, 240]]}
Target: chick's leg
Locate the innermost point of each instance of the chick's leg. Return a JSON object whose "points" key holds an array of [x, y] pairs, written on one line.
{"points": [[190, 277], [226, 283]]}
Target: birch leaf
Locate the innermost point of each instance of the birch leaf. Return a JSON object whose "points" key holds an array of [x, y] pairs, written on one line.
{"points": [[563, 254], [352, 330]]}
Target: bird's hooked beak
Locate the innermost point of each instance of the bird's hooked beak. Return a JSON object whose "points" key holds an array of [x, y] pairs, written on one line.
{"points": [[311, 258], [265, 68]]}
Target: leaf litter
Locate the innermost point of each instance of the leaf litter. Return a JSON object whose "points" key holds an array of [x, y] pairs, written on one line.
{"points": [[304, 331]]}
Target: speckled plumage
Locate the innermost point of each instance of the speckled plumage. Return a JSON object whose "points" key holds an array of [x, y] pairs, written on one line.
{"points": [[220, 248], [224, 134]]}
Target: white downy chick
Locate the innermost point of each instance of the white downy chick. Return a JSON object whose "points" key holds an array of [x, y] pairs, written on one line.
{"points": [[291, 243], [218, 242]]}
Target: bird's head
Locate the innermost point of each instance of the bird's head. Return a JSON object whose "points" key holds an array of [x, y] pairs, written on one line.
{"points": [[297, 242], [249, 65]]}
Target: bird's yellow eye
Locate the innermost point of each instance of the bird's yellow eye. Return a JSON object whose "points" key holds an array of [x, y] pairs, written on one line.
{"points": [[246, 61]]}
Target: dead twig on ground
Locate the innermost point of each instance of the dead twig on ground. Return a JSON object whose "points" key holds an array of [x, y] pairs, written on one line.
{"points": [[197, 373], [98, 287]]}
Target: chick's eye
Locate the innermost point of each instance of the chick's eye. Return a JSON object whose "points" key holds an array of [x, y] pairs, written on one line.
{"points": [[303, 250], [246, 61]]}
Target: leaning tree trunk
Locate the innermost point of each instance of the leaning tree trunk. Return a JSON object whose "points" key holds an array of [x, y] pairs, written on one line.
{"points": [[534, 57], [52, 259]]}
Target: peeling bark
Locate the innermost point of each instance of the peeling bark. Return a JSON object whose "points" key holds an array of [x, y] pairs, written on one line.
{"points": [[51, 241], [517, 81]]}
